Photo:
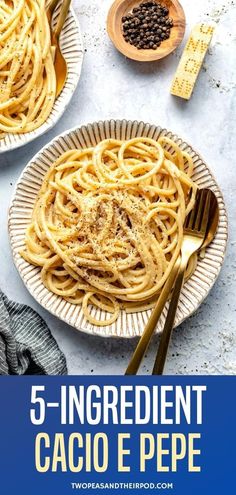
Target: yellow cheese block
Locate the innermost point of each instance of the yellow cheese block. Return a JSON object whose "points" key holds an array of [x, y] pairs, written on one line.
{"points": [[191, 61]]}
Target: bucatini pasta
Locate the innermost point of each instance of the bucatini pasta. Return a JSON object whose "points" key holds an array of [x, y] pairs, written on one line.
{"points": [[107, 225], [27, 75]]}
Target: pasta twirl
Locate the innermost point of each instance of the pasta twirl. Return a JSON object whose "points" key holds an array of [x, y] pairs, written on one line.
{"points": [[27, 75], [107, 225]]}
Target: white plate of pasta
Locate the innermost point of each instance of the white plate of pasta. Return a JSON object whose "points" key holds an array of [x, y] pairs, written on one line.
{"points": [[28, 103], [96, 225]]}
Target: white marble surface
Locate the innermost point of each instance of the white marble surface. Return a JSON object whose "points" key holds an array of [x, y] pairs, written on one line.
{"points": [[113, 87]]}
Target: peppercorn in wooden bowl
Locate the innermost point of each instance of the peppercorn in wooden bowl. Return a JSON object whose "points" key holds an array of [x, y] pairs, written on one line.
{"points": [[146, 30]]}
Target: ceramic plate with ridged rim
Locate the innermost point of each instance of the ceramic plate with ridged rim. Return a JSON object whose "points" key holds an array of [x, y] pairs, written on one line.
{"points": [[72, 49], [195, 290]]}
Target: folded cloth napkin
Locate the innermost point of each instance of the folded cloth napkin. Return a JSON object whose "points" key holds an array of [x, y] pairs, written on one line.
{"points": [[27, 346]]}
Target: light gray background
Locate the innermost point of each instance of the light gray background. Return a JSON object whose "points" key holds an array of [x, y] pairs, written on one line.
{"points": [[112, 86]]}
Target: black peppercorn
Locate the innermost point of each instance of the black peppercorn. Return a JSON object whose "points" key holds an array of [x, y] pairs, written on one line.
{"points": [[147, 25]]}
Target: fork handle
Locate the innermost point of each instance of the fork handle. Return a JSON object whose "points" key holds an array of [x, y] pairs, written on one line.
{"points": [[51, 5], [151, 325], [62, 17], [169, 323]]}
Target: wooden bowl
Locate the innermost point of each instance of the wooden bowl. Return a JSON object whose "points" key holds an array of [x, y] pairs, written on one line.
{"points": [[121, 8]]}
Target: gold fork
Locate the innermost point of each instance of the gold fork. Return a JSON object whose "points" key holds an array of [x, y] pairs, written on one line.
{"points": [[194, 234], [50, 7], [59, 61], [149, 329]]}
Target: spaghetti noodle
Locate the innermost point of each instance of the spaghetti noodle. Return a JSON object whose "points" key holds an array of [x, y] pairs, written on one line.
{"points": [[27, 75], [107, 225]]}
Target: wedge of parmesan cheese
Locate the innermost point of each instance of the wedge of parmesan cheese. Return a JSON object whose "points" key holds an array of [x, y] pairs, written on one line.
{"points": [[191, 61]]}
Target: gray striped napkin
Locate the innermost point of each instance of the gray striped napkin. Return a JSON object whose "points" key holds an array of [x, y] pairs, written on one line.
{"points": [[27, 346]]}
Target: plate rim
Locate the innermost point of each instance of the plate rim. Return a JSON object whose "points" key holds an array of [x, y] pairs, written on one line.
{"points": [[15, 146], [161, 129]]}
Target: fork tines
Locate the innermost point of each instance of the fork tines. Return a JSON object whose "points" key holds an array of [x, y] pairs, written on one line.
{"points": [[197, 218]]}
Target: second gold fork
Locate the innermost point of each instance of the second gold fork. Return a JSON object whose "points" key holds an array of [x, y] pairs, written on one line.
{"points": [[60, 64]]}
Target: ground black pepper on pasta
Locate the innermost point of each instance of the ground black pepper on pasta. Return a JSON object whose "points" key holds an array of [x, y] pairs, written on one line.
{"points": [[27, 76], [147, 25], [107, 224]]}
